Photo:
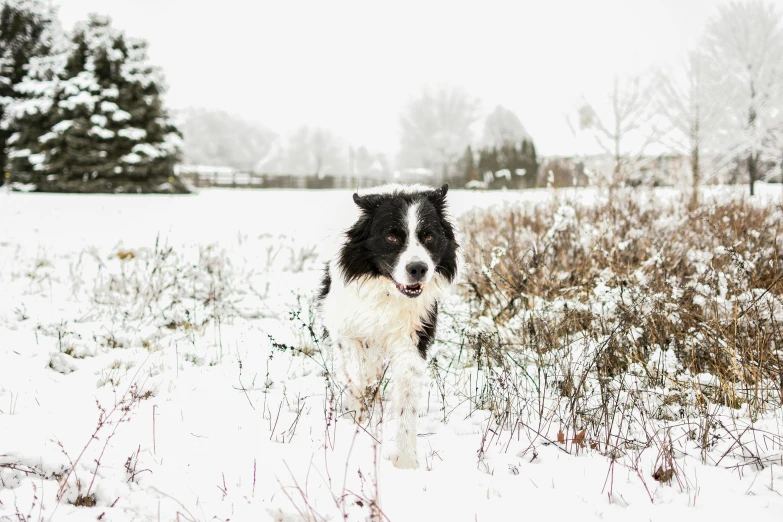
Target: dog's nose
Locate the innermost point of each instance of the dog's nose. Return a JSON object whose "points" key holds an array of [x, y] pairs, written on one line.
{"points": [[416, 270]]}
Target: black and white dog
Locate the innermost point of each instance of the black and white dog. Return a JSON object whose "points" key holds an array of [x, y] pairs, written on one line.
{"points": [[380, 293]]}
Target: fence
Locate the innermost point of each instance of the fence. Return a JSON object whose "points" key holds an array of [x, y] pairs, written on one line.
{"points": [[203, 179]]}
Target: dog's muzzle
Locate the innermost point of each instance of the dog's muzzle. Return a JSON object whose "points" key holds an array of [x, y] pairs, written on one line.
{"points": [[410, 290]]}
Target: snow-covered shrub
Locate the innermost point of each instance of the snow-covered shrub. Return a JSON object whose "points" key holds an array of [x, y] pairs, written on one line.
{"points": [[145, 292]]}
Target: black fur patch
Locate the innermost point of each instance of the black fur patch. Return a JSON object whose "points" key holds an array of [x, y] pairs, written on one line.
{"points": [[326, 283], [427, 333], [367, 252]]}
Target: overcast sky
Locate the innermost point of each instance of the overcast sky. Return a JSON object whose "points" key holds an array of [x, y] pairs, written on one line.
{"points": [[351, 66]]}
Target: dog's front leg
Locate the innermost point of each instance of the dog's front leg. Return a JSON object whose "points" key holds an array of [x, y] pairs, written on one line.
{"points": [[356, 372], [407, 371]]}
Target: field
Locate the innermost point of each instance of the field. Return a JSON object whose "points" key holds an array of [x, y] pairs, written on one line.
{"points": [[604, 357]]}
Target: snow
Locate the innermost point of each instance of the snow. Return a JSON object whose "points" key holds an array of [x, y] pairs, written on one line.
{"points": [[111, 92], [36, 159], [503, 173], [19, 153], [62, 126], [120, 115], [28, 106], [97, 294], [132, 133], [131, 158], [147, 150], [107, 106], [81, 98], [47, 137], [99, 131], [99, 119]]}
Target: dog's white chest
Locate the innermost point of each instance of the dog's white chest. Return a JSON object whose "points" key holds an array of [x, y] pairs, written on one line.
{"points": [[373, 311]]}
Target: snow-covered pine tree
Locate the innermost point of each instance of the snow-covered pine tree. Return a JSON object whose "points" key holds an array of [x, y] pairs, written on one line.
{"points": [[28, 29], [94, 120]]}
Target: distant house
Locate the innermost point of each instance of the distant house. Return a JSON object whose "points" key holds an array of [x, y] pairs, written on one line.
{"points": [[599, 169]]}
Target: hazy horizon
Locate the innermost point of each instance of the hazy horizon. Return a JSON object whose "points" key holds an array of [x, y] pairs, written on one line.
{"points": [[351, 68]]}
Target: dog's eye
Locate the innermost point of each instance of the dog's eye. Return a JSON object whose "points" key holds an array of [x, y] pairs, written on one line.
{"points": [[429, 238], [391, 238]]}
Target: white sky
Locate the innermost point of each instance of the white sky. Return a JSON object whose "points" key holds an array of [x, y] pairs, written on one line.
{"points": [[351, 66]]}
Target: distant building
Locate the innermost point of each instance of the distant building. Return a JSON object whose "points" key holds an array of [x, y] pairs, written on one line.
{"points": [[599, 169]]}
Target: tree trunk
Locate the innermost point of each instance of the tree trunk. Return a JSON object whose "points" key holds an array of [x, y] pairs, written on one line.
{"points": [[4, 167], [695, 130], [617, 155], [696, 172], [753, 157]]}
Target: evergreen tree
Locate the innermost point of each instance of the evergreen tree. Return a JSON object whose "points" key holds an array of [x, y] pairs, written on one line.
{"points": [[94, 112], [504, 159], [533, 164], [28, 29], [528, 162], [524, 149], [489, 164], [528, 179], [466, 168]]}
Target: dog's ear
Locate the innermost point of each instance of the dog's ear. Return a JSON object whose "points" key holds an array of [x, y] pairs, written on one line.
{"points": [[438, 196], [366, 203]]}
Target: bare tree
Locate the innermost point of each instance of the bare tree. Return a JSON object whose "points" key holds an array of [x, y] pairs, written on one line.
{"points": [[745, 40], [625, 126], [313, 150], [308, 150], [325, 152], [503, 126], [693, 103], [216, 138], [436, 128]]}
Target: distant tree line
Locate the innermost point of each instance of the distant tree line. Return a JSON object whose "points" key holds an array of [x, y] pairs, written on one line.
{"points": [[511, 165]]}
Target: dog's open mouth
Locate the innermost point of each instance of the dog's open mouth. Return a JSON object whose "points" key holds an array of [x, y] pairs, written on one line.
{"points": [[410, 290]]}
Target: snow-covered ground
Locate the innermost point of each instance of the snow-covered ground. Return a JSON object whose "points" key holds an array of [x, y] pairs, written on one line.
{"points": [[181, 319]]}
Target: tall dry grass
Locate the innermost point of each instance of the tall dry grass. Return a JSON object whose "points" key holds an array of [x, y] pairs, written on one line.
{"points": [[622, 326]]}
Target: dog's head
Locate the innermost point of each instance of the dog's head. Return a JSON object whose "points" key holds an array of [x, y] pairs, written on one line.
{"points": [[404, 234]]}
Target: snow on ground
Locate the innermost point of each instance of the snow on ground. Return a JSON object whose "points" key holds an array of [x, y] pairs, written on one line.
{"points": [[180, 318]]}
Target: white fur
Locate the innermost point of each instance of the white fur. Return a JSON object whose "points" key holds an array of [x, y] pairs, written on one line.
{"points": [[372, 323], [414, 251]]}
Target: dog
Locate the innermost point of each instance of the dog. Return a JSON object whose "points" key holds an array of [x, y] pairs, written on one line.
{"points": [[379, 298]]}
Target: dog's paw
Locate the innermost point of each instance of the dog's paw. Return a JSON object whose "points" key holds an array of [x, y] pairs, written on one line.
{"points": [[402, 461]]}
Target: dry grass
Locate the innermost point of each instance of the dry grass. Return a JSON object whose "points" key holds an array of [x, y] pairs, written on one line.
{"points": [[623, 326], [706, 284]]}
